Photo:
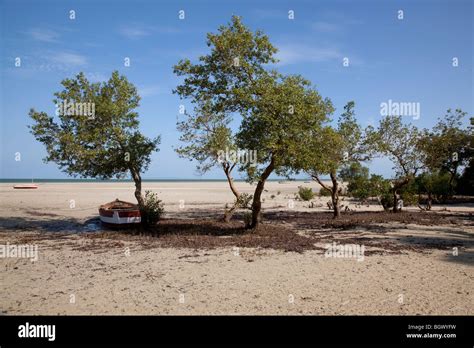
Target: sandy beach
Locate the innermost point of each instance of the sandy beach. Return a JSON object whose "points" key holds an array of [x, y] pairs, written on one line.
{"points": [[83, 270]]}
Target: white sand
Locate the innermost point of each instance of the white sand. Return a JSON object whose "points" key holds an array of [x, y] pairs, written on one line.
{"points": [[104, 280]]}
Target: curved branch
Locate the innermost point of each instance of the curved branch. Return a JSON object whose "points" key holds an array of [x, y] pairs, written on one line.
{"points": [[324, 186]]}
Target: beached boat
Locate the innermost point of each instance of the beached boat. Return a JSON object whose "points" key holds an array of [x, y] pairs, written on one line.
{"points": [[119, 213], [25, 187]]}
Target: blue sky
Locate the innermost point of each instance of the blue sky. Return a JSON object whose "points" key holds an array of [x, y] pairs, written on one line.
{"points": [[408, 60]]}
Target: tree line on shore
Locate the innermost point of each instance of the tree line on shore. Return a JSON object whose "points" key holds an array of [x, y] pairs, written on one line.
{"points": [[283, 119]]}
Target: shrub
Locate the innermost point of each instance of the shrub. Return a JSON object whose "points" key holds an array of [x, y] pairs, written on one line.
{"points": [[152, 210], [359, 188], [247, 218], [378, 186], [244, 201], [306, 193], [324, 193], [435, 184], [357, 178], [363, 187], [386, 200], [409, 198], [354, 171]]}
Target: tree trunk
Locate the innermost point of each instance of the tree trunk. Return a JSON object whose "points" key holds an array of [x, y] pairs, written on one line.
{"points": [[451, 181], [230, 180], [384, 205], [429, 202], [138, 188], [335, 195], [230, 212], [256, 203], [334, 189], [395, 201], [396, 186]]}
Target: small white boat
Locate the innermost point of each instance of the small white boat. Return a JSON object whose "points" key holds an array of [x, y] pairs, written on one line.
{"points": [[26, 187], [119, 213]]}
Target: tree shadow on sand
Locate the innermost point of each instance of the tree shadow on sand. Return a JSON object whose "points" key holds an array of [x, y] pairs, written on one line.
{"points": [[280, 231], [40, 225], [464, 257], [317, 220], [57, 225]]}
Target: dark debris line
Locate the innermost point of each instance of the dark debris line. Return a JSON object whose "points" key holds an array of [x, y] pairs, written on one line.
{"points": [[201, 234]]}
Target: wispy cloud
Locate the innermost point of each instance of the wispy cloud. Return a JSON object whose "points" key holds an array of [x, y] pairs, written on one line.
{"points": [[260, 13], [137, 31], [68, 59], [325, 27], [44, 35], [149, 90], [54, 61], [62, 62], [334, 22], [304, 53], [132, 32]]}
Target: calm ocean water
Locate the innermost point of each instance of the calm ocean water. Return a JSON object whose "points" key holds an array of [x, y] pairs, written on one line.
{"points": [[127, 180], [102, 181]]}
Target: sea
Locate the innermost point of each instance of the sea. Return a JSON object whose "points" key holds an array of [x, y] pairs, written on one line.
{"points": [[23, 180]]}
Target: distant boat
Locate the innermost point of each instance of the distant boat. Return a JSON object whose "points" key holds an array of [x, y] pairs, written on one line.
{"points": [[119, 213], [26, 187]]}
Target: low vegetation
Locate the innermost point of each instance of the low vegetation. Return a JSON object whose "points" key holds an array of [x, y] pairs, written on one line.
{"points": [[152, 209], [306, 193]]}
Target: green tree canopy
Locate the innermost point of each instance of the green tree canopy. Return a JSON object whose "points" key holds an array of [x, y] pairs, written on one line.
{"points": [[218, 85], [204, 135], [335, 149], [104, 145], [399, 142], [287, 112], [225, 75], [448, 146]]}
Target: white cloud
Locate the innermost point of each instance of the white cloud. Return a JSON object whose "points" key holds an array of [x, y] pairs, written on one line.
{"points": [[68, 59], [147, 91], [136, 31], [303, 53], [269, 13], [133, 32], [44, 35], [325, 27]]}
